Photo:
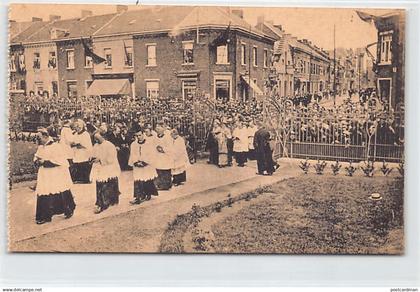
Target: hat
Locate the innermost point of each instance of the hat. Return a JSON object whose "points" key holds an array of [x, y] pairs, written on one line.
{"points": [[375, 196]]}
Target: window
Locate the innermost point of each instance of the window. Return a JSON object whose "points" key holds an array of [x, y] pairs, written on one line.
{"points": [[72, 89], [243, 54], [222, 89], [151, 54], [255, 56], [37, 61], [254, 94], [39, 87], [13, 83], [70, 59], [12, 63], [88, 62], [128, 57], [222, 54], [152, 89], [189, 88], [384, 86], [108, 58], [385, 47], [54, 87], [266, 58], [22, 65], [52, 60], [188, 52], [22, 85]]}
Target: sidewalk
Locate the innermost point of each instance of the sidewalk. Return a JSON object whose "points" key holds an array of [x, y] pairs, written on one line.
{"points": [[126, 228]]}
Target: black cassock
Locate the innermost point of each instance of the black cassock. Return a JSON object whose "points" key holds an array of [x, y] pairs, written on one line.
{"points": [[213, 148], [123, 153], [263, 151]]}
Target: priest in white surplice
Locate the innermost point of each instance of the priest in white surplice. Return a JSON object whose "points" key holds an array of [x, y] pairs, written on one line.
{"points": [[180, 158], [164, 158], [82, 150], [53, 182], [142, 152], [105, 172]]}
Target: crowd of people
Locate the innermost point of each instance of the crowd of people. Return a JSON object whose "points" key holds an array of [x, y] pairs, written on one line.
{"points": [[350, 123], [158, 159], [74, 153], [307, 120]]}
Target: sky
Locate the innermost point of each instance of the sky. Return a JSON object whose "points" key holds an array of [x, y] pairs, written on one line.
{"points": [[314, 24]]}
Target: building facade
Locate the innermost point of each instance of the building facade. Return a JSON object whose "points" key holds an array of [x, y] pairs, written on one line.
{"points": [[181, 66], [300, 66], [390, 58]]}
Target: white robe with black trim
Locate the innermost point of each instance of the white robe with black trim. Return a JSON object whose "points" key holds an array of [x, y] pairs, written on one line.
{"points": [[85, 153], [164, 161], [180, 156], [108, 166], [145, 152], [52, 180]]}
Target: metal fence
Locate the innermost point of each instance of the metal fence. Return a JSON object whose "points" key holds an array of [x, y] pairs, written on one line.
{"points": [[191, 118], [352, 132]]}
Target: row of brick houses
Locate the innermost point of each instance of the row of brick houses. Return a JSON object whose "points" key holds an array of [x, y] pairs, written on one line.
{"points": [[168, 51], [301, 66]]}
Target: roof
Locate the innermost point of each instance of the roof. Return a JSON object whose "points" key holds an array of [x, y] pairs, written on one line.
{"points": [[150, 19], [174, 19], [272, 31], [75, 28], [33, 28], [170, 19], [17, 27]]}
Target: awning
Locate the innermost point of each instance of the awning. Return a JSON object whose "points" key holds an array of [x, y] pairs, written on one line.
{"points": [[253, 85], [109, 87]]}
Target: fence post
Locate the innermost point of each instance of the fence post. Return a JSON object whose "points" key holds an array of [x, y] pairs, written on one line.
{"points": [[291, 149]]}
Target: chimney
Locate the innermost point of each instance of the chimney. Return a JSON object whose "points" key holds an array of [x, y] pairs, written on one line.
{"points": [[86, 13], [260, 19], [55, 17], [279, 26], [238, 12], [35, 19], [121, 8]]}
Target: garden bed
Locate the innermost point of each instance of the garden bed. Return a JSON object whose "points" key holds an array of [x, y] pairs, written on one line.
{"points": [[310, 214], [21, 166]]}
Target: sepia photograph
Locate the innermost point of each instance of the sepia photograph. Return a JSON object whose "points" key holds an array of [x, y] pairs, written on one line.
{"points": [[206, 129]]}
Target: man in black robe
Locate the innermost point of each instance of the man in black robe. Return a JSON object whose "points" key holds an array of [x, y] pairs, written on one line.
{"points": [[263, 151]]}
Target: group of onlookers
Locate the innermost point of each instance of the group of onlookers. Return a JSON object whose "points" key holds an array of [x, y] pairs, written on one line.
{"points": [[241, 138]]}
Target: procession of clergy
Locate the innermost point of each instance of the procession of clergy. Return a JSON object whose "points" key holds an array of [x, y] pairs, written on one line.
{"points": [[158, 158]]}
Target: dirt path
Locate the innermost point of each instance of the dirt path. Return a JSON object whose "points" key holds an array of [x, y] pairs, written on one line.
{"points": [[140, 229]]}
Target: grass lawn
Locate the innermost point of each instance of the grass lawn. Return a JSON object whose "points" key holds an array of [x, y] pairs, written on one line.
{"points": [[21, 167], [318, 215]]}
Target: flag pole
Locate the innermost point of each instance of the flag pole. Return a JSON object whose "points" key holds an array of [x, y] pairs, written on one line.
{"points": [[334, 84], [198, 30]]}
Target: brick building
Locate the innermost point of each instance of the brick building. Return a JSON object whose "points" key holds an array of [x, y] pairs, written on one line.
{"points": [[301, 66], [18, 64], [390, 57], [180, 50], [75, 68]]}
